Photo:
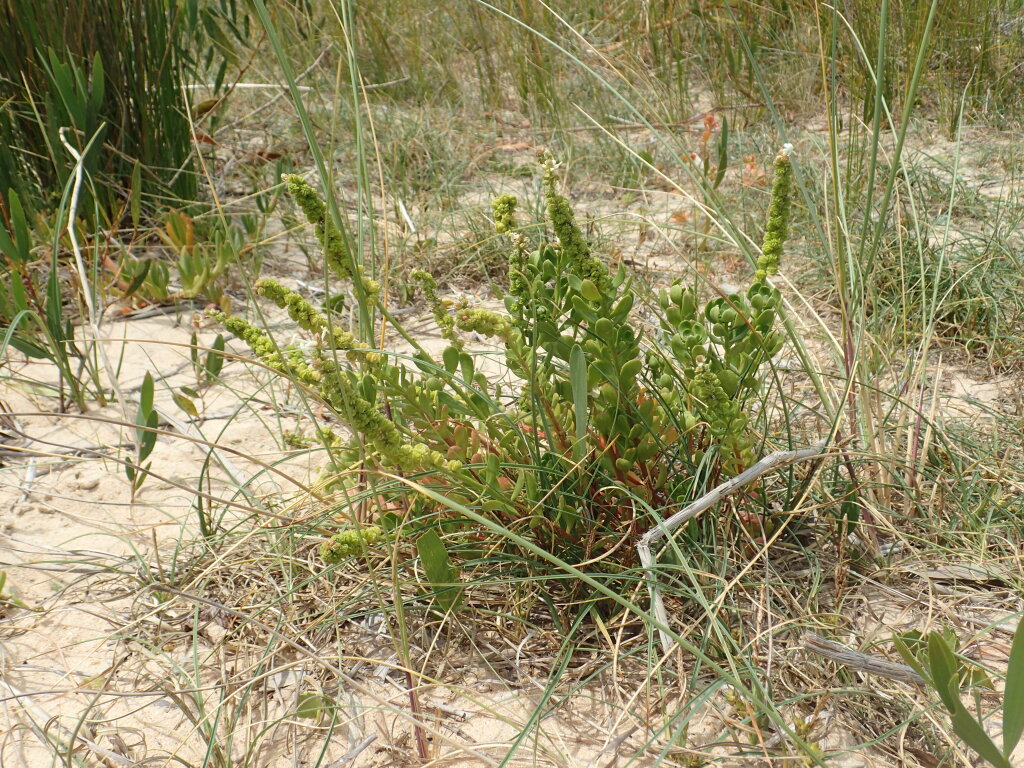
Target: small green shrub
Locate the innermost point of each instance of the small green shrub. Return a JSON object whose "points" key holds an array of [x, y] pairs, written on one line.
{"points": [[595, 422]]}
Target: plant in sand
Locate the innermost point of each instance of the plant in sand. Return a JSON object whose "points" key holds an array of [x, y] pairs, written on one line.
{"points": [[597, 422]]}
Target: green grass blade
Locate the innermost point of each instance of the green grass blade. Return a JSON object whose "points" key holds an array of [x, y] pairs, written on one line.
{"points": [[1013, 696]]}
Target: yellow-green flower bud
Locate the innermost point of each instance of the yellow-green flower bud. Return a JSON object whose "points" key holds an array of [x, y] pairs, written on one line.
{"points": [[777, 229]]}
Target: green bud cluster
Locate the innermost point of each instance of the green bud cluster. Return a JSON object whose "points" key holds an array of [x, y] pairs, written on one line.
{"points": [[484, 322], [350, 542], [259, 342], [336, 252], [725, 419], [777, 229], [444, 320], [300, 310], [330, 438], [570, 238], [315, 209], [309, 318], [504, 207]]}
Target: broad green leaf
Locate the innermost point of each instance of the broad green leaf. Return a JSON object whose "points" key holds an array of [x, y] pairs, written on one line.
{"points": [[138, 279], [441, 574], [215, 358], [589, 290], [578, 379], [147, 437], [493, 465], [145, 416], [1013, 695], [18, 297], [911, 648], [580, 307], [467, 366], [971, 731], [185, 404], [450, 356], [973, 676], [312, 705], [945, 676], [203, 107], [145, 397]]}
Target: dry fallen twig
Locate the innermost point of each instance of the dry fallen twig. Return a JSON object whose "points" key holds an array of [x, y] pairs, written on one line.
{"points": [[709, 499], [862, 661]]}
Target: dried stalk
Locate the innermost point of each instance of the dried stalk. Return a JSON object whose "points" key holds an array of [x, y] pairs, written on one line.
{"points": [[862, 661], [709, 499]]}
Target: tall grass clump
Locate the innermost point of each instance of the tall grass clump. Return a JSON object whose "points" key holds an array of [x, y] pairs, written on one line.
{"points": [[111, 74], [536, 57]]}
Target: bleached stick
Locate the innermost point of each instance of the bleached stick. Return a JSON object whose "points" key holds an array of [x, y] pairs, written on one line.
{"points": [[709, 499], [865, 662]]}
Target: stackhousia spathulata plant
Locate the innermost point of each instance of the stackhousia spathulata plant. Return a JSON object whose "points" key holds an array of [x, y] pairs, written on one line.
{"points": [[597, 418]]}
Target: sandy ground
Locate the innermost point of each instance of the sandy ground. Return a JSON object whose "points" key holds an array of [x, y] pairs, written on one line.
{"points": [[81, 667], [73, 536]]}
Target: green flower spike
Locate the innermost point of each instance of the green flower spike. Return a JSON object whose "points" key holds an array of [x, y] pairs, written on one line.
{"points": [[777, 228], [504, 208], [309, 318], [335, 248], [349, 543], [574, 245], [484, 322], [441, 316], [259, 342], [315, 209]]}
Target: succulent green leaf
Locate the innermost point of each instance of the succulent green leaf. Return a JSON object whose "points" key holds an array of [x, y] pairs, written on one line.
{"points": [[971, 731], [943, 667], [442, 576], [580, 389], [186, 404], [311, 706], [215, 358]]}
